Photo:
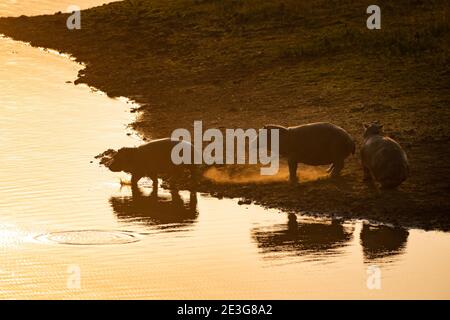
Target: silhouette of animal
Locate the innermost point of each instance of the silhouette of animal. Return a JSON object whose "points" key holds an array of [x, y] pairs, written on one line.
{"points": [[314, 144], [151, 160], [383, 159]]}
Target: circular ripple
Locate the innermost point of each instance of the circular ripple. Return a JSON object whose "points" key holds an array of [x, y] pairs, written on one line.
{"points": [[88, 237]]}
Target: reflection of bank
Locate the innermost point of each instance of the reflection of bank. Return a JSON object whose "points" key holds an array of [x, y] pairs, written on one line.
{"points": [[311, 240], [169, 213], [382, 242]]}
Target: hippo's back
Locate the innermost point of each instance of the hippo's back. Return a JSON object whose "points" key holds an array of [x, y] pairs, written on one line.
{"points": [[163, 145], [320, 143], [386, 160], [158, 153]]}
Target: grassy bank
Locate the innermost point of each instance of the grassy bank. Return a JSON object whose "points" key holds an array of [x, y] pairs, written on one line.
{"points": [[249, 63]]}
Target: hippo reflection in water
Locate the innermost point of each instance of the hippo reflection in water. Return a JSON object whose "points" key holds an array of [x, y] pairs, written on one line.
{"points": [[302, 239], [382, 242], [164, 212]]}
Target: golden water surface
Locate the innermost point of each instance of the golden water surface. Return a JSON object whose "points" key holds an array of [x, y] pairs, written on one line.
{"points": [[68, 229]]}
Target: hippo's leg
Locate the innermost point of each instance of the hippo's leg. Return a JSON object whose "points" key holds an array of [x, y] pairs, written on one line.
{"points": [[337, 167], [367, 175], [136, 192], [193, 200], [194, 176], [135, 179], [176, 176], [292, 171], [154, 178], [175, 195]]}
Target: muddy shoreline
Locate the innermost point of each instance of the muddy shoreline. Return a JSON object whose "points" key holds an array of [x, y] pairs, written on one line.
{"points": [[241, 67]]}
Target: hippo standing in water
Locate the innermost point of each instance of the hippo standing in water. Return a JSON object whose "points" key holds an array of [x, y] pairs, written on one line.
{"points": [[383, 159], [151, 160], [314, 144]]}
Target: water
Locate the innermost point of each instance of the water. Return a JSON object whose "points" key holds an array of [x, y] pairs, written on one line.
{"points": [[62, 216]]}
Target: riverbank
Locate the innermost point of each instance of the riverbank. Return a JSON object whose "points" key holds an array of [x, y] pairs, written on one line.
{"points": [[245, 64]]}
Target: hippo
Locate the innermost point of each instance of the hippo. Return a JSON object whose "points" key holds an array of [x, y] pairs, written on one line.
{"points": [[169, 213], [314, 240], [315, 144], [382, 241], [383, 159], [152, 160]]}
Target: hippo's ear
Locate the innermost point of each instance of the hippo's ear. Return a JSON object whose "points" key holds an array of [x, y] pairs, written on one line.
{"points": [[365, 125]]}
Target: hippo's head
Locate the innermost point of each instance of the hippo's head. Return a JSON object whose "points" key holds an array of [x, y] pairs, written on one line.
{"points": [[283, 137], [372, 129], [122, 161]]}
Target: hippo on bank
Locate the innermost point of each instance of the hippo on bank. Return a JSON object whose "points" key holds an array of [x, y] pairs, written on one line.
{"points": [[151, 160], [314, 144], [383, 159]]}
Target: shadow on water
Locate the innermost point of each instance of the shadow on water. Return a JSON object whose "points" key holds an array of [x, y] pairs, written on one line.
{"points": [[311, 240], [169, 213], [381, 242]]}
